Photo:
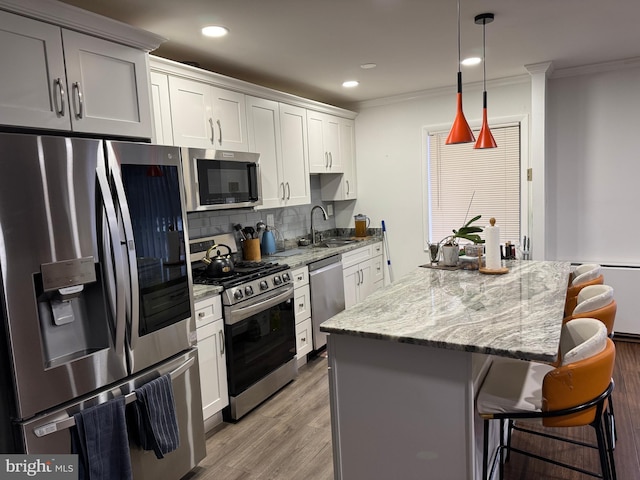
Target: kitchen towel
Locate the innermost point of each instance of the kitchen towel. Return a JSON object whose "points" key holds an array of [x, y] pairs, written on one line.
{"points": [[100, 440], [154, 413], [492, 246]]}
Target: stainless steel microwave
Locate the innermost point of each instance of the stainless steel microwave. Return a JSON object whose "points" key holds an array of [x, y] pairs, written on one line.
{"points": [[217, 179]]}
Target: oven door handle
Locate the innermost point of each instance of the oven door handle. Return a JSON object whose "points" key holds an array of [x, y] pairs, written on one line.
{"points": [[236, 314]]}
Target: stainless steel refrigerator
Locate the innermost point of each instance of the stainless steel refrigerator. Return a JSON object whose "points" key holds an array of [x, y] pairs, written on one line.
{"points": [[96, 295]]}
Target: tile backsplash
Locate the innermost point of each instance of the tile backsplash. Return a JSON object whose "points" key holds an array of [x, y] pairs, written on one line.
{"points": [[290, 222]]}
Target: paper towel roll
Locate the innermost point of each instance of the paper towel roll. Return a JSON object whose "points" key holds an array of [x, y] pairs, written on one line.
{"points": [[492, 246]]}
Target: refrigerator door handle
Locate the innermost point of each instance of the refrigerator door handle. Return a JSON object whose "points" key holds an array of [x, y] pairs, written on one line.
{"points": [[119, 281], [120, 199], [70, 421]]}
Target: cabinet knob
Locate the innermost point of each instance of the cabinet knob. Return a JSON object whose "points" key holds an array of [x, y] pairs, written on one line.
{"points": [[303, 339], [201, 314]]}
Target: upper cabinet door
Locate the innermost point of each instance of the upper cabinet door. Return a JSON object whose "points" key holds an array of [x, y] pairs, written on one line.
{"points": [[293, 128], [163, 133], [324, 144], [191, 114], [230, 119], [264, 138], [33, 85], [108, 86]]}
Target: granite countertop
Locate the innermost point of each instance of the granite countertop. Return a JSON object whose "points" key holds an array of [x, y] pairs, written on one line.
{"points": [[301, 256], [518, 314], [295, 258]]}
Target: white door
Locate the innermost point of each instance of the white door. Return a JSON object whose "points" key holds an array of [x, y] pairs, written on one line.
{"points": [[213, 370], [351, 276], [263, 127], [331, 136], [33, 85], [163, 134], [318, 156], [293, 131], [349, 188], [108, 86], [191, 115], [230, 120]]}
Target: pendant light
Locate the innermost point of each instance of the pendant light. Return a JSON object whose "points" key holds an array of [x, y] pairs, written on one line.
{"points": [[485, 138], [460, 130]]}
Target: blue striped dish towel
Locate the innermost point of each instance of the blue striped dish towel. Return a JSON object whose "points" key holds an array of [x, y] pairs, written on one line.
{"points": [[100, 440], [154, 413]]}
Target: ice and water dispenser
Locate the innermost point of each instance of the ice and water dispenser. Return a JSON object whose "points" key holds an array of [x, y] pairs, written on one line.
{"points": [[72, 310]]}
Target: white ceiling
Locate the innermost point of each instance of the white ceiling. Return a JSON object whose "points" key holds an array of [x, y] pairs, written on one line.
{"points": [[309, 47]]}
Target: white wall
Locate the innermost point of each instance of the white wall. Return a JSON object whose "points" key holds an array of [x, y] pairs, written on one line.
{"points": [[593, 162], [389, 154]]}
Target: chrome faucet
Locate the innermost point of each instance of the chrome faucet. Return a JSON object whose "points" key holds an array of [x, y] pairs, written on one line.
{"points": [[313, 230]]}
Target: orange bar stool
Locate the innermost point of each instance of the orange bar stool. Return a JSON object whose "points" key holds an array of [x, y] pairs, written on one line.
{"points": [[583, 276], [596, 301], [572, 394]]}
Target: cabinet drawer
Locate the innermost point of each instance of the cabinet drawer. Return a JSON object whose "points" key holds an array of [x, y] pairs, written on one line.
{"points": [[377, 248], [300, 276], [302, 303], [356, 256], [304, 341], [377, 269], [208, 310]]}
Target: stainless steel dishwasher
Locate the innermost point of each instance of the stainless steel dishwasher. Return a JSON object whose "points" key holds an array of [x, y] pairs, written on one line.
{"points": [[327, 294]]}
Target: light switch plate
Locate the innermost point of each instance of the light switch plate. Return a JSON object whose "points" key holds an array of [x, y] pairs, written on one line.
{"points": [[270, 219], [330, 209]]}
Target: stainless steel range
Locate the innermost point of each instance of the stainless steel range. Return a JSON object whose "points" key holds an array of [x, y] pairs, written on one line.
{"points": [[259, 325]]}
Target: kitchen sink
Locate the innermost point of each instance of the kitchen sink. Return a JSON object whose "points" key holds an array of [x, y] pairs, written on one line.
{"points": [[335, 242]]}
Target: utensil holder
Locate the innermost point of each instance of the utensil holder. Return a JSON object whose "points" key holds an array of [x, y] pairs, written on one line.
{"points": [[251, 249]]}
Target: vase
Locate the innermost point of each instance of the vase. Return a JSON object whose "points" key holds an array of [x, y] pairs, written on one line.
{"points": [[450, 255]]}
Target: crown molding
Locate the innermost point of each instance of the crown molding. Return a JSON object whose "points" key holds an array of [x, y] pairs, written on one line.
{"points": [[633, 62], [73, 18]]}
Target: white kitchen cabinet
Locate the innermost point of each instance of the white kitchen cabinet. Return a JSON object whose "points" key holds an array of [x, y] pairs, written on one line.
{"points": [[163, 132], [342, 186], [277, 132], [363, 273], [205, 116], [211, 356], [65, 80], [302, 313], [324, 145]]}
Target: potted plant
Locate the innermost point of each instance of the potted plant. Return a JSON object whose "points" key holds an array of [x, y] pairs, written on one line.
{"points": [[450, 247]]}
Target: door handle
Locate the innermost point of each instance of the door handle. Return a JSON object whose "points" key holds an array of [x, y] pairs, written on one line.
{"points": [[288, 191], [61, 94], [283, 195], [330, 159], [221, 338], [326, 159], [219, 131], [77, 90], [212, 130], [347, 186]]}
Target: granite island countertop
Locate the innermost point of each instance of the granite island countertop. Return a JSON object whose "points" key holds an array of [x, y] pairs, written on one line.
{"points": [[518, 314]]}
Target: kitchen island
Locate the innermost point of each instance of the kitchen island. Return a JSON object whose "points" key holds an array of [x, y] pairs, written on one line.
{"points": [[405, 364]]}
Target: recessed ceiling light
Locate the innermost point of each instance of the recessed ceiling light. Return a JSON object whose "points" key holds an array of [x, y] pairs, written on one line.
{"points": [[367, 66], [215, 31], [468, 62], [350, 83]]}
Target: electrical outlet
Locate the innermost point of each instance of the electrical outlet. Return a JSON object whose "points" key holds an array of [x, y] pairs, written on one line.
{"points": [[270, 219], [330, 209]]}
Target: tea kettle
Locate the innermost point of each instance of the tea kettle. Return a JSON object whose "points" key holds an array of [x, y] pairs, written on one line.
{"points": [[220, 265], [268, 245]]}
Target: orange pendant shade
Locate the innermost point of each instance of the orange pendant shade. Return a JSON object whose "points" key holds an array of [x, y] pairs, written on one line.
{"points": [[485, 137], [460, 130]]}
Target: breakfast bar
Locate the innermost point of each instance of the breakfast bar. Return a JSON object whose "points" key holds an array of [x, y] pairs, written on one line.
{"points": [[404, 365]]}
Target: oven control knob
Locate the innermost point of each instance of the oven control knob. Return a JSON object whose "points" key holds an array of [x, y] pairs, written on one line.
{"points": [[286, 277], [264, 285], [277, 280], [248, 290], [237, 294]]}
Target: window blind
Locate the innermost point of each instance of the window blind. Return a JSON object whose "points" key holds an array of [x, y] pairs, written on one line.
{"points": [[491, 176]]}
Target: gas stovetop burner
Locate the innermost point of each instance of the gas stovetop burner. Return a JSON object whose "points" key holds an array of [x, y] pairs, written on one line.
{"points": [[243, 272]]}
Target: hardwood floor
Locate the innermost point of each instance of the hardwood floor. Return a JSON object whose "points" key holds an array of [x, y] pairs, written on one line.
{"points": [[289, 436]]}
